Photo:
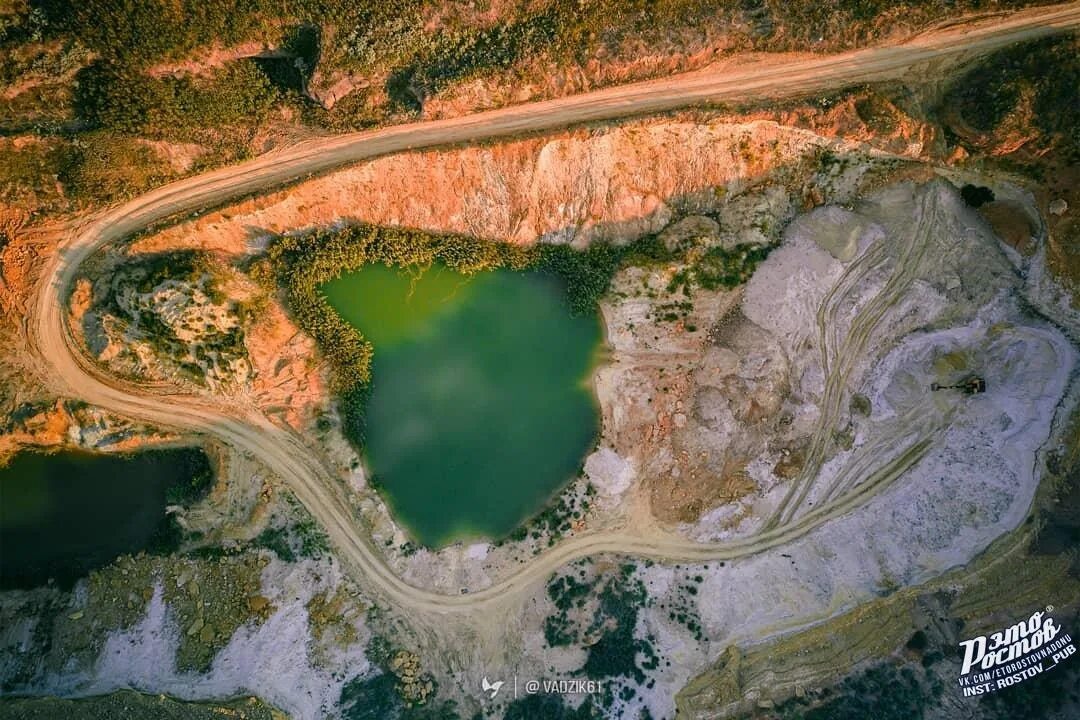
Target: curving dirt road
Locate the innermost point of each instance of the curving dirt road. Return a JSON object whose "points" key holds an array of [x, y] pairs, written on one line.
{"points": [[246, 429]]}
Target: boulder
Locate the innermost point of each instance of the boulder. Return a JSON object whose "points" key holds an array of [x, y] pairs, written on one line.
{"points": [[608, 472], [834, 229]]}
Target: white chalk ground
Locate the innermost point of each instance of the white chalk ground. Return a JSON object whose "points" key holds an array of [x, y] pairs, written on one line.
{"points": [[974, 483], [278, 660]]}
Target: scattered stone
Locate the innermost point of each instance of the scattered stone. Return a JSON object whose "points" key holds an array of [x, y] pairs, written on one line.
{"points": [[414, 687], [258, 604], [791, 463], [1058, 207], [1011, 223], [958, 155], [695, 229]]}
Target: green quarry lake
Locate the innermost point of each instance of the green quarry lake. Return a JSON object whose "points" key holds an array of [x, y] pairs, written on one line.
{"points": [[481, 406], [64, 514]]}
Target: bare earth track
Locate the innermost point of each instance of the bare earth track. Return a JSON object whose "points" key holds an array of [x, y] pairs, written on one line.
{"points": [[247, 430]]}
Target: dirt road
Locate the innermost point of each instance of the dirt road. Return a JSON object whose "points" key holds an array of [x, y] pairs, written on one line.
{"points": [[246, 429]]}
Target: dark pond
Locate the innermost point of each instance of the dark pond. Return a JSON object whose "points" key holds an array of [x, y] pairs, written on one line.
{"points": [[64, 514]]}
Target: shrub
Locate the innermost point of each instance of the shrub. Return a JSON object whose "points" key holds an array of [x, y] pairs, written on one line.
{"points": [[123, 99], [304, 262]]}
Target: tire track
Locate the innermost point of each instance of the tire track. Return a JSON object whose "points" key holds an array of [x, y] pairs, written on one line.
{"points": [[244, 428], [851, 352]]}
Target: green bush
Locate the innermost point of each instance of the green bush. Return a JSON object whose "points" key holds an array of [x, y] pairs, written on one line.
{"points": [[125, 100], [719, 268], [200, 478], [144, 31], [302, 263], [101, 167], [458, 55], [1014, 82], [26, 174], [618, 599], [885, 692], [299, 264], [587, 272], [373, 698], [276, 540], [549, 707]]}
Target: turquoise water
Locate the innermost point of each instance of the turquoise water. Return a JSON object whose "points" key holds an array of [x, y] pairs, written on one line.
{"points": [[66, 513], [480, 405]]}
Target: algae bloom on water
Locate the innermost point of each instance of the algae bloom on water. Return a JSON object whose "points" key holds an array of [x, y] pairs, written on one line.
{"points": [[480, 405]]}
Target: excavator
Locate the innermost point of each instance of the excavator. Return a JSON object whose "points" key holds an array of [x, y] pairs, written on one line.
{"points": [[969, 386]]}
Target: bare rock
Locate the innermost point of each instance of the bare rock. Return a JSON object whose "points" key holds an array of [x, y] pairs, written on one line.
{"points": [[610, 473], [834, 229], [327, 89], [695, 229]]}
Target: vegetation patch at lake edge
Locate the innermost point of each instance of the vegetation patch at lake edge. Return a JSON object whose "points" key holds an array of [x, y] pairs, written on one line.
{"points": [[301, 264]]}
